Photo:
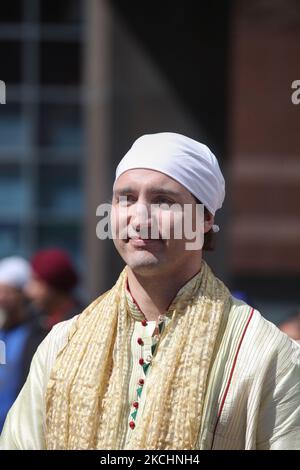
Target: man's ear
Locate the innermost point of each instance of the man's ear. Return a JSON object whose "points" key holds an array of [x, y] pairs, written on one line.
{"points": [[208, 221]]}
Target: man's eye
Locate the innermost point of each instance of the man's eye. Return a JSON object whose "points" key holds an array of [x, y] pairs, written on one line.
{"points": [[124, 200], [163, 200]]}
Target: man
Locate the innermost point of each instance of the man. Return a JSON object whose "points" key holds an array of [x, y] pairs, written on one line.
{"points": [[18, 332], [51, 288], [166, 359]]}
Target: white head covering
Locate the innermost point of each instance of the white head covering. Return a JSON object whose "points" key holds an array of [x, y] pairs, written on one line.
{"points": [[187, 161], [14, 272]]}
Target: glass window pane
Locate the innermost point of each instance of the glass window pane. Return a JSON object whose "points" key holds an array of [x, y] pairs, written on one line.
{"points": [[14, 192], [60, 190], [58, 11], [9, 240], [60, 63], [10, 53], [61, 126], [11, 11], [13, 128]]}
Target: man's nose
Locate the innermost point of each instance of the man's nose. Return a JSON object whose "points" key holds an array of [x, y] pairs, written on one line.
{"points": [[141, 218]]}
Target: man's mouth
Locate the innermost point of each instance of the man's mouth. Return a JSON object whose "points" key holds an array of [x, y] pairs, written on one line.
{"points": [[142, 238], [145, 238], [140, 242]]}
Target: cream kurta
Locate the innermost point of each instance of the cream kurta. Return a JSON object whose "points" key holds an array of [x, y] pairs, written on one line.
{"points": [[253, 392]]}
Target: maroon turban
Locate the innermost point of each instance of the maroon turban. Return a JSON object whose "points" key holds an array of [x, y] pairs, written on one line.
{"points": [[54, 266]]}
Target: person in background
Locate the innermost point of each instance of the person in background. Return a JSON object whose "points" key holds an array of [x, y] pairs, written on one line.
{"points": [[51, 286], [18, 331], [292, 326]]}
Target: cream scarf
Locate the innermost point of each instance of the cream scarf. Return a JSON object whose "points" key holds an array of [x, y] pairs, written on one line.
{"points": [[87, 395]]}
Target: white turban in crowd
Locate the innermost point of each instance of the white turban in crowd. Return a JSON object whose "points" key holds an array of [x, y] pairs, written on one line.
{"points": [[185, 160], [14, 272]]}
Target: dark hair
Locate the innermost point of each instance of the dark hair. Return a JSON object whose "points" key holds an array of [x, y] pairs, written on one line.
{"points": [[209, 237]]}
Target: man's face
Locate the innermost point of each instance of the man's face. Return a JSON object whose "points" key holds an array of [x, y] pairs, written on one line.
{"points": [[10, 299], [39, 293], [134, 194]]}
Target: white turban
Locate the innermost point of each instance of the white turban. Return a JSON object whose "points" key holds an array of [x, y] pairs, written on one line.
{"points": [[187, 161], [14, 272]]}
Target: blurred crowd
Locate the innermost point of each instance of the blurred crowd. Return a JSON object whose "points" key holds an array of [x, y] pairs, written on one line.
{"points": [[34, 296]]}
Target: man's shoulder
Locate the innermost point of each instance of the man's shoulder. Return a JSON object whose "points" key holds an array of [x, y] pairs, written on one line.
{"points": [[241, 311], [51, 345], [263, 336], [61, 329]]}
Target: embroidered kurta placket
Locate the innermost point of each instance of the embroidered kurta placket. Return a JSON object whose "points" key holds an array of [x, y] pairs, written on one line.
{"points": [[144, 342]]}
